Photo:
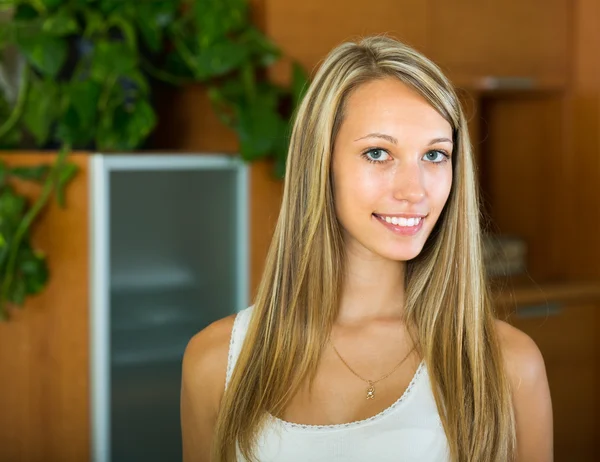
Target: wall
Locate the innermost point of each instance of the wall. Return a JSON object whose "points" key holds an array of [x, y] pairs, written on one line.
{"points": [[583, 164]]}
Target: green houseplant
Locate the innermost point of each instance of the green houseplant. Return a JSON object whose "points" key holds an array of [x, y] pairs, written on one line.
{"points": [[86, 83], [89, 67], [23, 269]]}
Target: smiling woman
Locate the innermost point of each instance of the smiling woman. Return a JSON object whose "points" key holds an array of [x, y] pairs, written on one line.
{"points": [[391, 170], [372, 336]]}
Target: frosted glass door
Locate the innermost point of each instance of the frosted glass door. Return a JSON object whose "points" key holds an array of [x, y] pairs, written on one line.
{"points": [[174, 256]]}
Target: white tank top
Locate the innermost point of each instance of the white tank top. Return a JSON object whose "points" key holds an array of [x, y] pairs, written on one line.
{"points": [[409, 430]]}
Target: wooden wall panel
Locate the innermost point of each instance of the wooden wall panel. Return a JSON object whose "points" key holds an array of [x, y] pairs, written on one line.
{"points": [[584, 160], [501, 38], [524, 184], [44, 354], [569, 343], [306, 31]]}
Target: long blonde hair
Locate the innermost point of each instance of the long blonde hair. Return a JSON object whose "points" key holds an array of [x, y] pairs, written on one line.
{"points": [[447, 302]]}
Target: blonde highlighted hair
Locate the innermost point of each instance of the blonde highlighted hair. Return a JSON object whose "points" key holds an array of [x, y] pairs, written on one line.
{"points": [[447, 303]]}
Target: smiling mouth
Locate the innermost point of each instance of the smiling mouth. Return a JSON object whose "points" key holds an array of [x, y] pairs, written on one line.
{"points": [[405, 222]]}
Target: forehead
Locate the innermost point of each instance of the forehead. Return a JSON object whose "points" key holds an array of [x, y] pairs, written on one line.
{"points": [[392, 107]]}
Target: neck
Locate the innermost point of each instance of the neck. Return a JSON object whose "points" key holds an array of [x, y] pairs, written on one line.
{"points": [[373, 290]]}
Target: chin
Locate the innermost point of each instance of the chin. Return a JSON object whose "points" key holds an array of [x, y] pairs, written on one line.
{"points": [[404, 254]]}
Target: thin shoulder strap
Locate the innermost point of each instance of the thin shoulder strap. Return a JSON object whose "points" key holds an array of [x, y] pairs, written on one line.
{"points": [[238, 333]]}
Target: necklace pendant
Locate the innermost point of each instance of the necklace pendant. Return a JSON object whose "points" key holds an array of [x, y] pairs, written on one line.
{"points": [[371, 391]]}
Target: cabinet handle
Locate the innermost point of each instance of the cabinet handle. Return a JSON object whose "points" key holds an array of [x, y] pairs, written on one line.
{"points": [[539, 311], [508, 83]]}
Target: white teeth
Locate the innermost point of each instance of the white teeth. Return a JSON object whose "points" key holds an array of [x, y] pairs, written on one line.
{"points": [[401, 221]]}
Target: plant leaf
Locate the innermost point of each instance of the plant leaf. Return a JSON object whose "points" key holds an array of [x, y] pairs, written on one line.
{"points": [[222, 57], [52, 4], [69, 129], [45, 52], [12, 209], [110, 6], [66, 174], [37, 173], [152, 18], [126, 129], [259, 126], [60, 24], [77, 125], [24, 11], [263, 50], [217, 18], [5, 32], [126, 28], [3, 171], [11, 138], [83, 97], [141, 122], [41, 109], [94, 22], [32, 269], [3, 249], [112, 58]]}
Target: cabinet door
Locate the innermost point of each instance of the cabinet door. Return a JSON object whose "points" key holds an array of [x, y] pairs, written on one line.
{"points": [[568, 339], [472, 39]]}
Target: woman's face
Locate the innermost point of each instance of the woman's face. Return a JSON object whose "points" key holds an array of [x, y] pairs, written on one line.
{"points": [[392, 170]]}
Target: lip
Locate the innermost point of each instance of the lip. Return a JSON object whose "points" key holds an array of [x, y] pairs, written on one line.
{"points": [[402, 215], [401, 230]]}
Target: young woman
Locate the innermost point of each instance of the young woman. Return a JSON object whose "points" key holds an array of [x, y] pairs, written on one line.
{"points": [[372, 337]]}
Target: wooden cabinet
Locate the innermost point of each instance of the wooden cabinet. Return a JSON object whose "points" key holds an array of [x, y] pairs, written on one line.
{"points": [[47, 349], [567, 333], [522, 159], [501, 38]]}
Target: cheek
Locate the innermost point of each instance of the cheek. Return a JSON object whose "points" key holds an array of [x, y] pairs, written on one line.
{"points": [[440, 189], [356, 189]]}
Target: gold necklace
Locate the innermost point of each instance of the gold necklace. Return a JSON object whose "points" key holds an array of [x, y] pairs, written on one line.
{"points": [[371, 387]]}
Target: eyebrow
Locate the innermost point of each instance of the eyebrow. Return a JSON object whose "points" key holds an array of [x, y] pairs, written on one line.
{"points": [[393, 140]]}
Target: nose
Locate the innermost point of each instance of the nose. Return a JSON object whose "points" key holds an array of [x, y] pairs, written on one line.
{"points": [[408, 182]]}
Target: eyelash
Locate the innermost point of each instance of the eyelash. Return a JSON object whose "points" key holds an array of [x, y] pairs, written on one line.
{"points": [[366, 157]]}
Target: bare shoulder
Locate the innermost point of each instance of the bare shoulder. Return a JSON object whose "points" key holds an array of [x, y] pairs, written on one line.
{"points": [[523, 359], [530, 393], [205, 357], [213, 338], [202, 386]]}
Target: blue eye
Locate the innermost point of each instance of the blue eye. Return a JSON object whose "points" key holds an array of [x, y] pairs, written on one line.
{"points": [[376, 155], [436, 156]]}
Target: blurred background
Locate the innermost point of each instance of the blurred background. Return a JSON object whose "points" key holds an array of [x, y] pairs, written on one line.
{"points": [[142, 149]]}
